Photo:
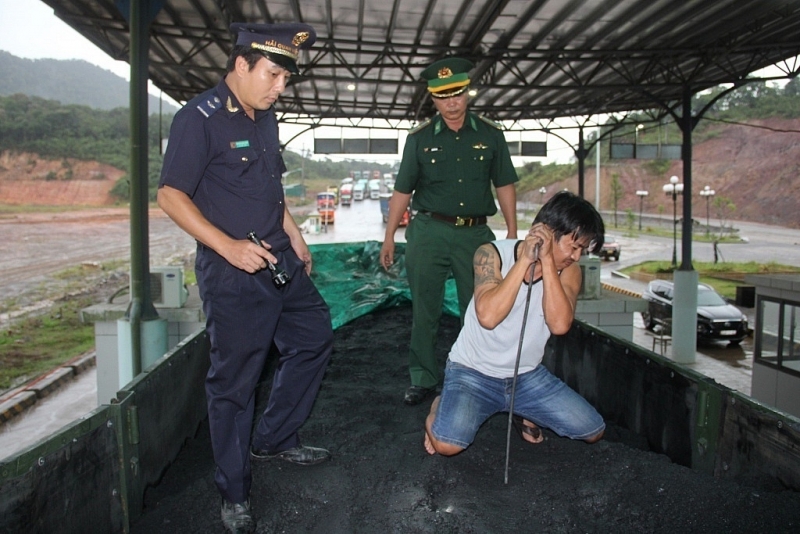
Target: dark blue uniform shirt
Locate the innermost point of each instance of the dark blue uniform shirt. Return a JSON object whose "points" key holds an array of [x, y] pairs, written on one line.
{"points": [[229, 165]]}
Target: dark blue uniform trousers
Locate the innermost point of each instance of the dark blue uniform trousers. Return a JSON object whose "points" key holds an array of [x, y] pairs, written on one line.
{"points": [[245, 314]]}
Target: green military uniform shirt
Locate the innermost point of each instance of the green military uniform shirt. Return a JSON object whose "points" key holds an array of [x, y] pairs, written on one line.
{"points": [[451, 172]]}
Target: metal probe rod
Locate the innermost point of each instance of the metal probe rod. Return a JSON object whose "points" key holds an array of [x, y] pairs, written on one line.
{"points": [[516, 364]]}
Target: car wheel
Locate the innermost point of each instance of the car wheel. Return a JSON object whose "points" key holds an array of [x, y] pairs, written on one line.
{"points": [[648, 320], [616, 257], [734, 342]]}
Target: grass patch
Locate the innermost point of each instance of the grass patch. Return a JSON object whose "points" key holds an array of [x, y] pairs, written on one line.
{"points": [[726, 288], [44, 337], [710, 268], [724, 277], [697, 237], [35, 345]]}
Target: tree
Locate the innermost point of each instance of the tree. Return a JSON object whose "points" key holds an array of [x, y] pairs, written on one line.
{"points": [[630, 219], [723, 209], [792, 88]]}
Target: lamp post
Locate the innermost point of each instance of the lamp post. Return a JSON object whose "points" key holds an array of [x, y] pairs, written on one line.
{"points": [[708, 193], [636, 139], [673, 188], [641, 195], [542, 191]]}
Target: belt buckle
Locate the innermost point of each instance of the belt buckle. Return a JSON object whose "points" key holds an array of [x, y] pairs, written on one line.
{"points": [[461, 221]]}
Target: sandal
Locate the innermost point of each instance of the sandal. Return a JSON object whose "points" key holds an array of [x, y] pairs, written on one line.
{"points": [[531, 434]]}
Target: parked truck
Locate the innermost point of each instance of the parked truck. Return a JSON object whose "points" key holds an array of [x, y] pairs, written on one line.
{"points": [[346, 194], [384, 198]]}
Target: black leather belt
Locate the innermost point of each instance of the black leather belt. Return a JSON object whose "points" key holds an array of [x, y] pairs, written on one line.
{"points": [[458, 221]]}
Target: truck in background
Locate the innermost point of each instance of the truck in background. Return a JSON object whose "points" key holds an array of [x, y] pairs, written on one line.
{"points": [[360, 190], [374, 187], [384, 198], [346, 194]]}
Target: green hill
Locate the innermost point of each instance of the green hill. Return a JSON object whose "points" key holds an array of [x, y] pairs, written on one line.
{"points": [[69, 82]]}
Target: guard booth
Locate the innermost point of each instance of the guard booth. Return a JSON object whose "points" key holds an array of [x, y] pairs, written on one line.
{"points": [[312, 225], [294, 190], [776, 357]]}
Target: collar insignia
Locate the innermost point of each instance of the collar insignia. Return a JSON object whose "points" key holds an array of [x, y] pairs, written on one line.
{"points": [[230, 107]]}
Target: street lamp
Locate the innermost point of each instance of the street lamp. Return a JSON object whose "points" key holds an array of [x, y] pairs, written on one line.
{"points": [[542, 191], [641, 195], [708, 193], [673, 188], [636, 139]]}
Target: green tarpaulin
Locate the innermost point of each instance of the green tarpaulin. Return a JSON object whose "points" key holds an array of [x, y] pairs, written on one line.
{"points": [[353, 283]]}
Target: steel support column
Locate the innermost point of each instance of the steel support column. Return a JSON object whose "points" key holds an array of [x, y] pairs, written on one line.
{"points": [[684, 306]]}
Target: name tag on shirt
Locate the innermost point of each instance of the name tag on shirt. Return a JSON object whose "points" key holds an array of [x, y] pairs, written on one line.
{"points": [[240, 144]]}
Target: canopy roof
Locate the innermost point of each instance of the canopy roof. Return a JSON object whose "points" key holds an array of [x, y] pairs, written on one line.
{"points": [[535, 59]]}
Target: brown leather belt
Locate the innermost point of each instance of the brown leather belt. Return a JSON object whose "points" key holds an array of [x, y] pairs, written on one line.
{"points": [[458, 221]]}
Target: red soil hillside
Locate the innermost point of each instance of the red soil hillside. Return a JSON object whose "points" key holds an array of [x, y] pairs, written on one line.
{"points": [[757, 168], [31, 180]]}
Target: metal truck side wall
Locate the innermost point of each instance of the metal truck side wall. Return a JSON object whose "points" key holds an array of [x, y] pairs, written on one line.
{"points": [[689, 417], [96, 470], [92, 475]]}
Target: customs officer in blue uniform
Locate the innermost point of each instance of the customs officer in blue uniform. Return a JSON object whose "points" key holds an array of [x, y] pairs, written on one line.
{"points": [[449, 166], [221, 180]]}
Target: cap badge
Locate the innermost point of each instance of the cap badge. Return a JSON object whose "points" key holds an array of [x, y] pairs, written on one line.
{"points": [[300, 38], [445, 72]]}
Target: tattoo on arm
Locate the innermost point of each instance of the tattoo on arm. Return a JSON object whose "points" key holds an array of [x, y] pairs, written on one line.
{"points": [[484, 267]]}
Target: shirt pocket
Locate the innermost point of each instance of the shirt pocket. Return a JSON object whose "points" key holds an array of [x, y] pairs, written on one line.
{"points": [[434, 163], [479, 165], [243, 168], [240, 158], [482, 155]]}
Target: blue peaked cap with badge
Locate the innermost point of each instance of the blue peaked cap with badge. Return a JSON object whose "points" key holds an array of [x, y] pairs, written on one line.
{"points": [[280, 43]]}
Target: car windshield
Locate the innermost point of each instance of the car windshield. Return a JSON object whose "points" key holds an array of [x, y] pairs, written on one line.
{"points": [[709, 298]]}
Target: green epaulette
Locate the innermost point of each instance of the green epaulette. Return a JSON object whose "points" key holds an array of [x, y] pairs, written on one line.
{"points": [[420, 126], [490, 122]]}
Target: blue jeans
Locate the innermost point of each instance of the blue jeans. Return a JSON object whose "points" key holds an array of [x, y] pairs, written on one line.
{"points": [[469, 398]]}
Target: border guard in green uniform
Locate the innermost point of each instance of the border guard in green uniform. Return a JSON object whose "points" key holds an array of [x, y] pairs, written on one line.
{"points": [[449, 165]]}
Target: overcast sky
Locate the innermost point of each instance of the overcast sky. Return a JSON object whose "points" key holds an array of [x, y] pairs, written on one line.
{"points": [[29, 29]]}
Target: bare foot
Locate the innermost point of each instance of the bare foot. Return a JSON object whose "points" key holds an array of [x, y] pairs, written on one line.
{"points": [[428, 443]]}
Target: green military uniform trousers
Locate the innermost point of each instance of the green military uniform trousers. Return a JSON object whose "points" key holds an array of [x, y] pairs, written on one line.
{"points": [[433, 249]]}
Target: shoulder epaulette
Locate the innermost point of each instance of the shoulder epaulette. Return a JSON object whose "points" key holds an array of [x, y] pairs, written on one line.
{"points": [[209, 105], [420, 126], [490, 122]]}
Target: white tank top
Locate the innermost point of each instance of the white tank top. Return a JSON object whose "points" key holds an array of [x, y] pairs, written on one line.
{"points": [[494, 352]]}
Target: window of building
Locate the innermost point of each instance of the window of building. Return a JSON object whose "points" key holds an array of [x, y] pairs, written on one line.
{"points": [[778, 334]]}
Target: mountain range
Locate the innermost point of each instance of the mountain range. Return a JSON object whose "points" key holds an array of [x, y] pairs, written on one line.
{"points": [[72, 81]]}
